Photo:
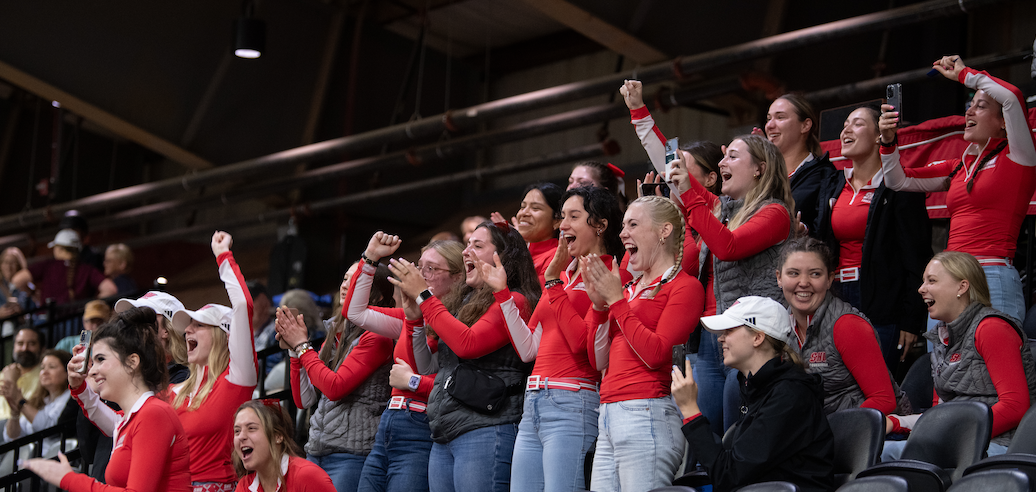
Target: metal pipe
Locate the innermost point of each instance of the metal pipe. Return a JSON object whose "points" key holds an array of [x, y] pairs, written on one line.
{"points": [[468, 118], [606, 148], [399, 160], [852, 91]]}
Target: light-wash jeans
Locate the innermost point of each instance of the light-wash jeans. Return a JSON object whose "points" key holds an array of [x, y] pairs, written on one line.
{"points": [[894, 449], [640, 445], [557, 429], [476, 461], [1005, 290]]}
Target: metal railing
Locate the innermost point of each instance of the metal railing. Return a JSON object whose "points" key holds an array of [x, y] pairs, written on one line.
{"points": [[62, 429]]}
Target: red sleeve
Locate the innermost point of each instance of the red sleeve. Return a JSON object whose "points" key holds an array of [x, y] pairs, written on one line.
{"points": [[689, 263], [488, 334], [371, 352], [296, 394], [767, 227], [683, 308], [149, 463], [593, 320], [855, 341], [1000, 347]]}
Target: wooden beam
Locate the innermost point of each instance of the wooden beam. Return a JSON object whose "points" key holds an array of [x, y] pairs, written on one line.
{"points": [[102, 118], [594, 28]]}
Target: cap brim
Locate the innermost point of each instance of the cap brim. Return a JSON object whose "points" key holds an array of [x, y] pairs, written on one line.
{"points": [[181, 320], [124, 305], [721, 322], [52, 244]]}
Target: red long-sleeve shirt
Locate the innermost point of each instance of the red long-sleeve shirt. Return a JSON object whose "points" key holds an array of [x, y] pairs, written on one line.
{"points": [[556, 334], [999, 345], [371, 352], [542, 253], [387, 322], [150, 453], [635, 337], [300, 475], [483, 337]]}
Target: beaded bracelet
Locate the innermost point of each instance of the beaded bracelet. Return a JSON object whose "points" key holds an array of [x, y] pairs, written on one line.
{"points": [[363, 257], [552, 283]]}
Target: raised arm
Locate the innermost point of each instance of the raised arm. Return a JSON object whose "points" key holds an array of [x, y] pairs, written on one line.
{"points": [[767, 227], [1019, 135], [526, 341], [371, 352], [385, 322], [896, 177], [244, 367]]}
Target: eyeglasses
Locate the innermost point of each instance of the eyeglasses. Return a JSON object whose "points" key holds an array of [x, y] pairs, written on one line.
{"points": [[428, 270]]}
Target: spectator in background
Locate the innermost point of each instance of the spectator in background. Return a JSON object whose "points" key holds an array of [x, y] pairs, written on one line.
{"points": [[468, 225], [14, 300], [25, 370], [50, 405], [65, 278], [95, 314], [445, 236], [265, 334], [88, 255], [118, 262], [307, 307]]}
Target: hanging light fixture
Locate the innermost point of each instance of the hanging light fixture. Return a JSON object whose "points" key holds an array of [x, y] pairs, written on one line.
{"points": [[249, 33]]}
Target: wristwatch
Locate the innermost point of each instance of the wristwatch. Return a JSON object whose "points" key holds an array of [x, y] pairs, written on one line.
{"points": [[414, 382], [303, 348], [424, 296]]}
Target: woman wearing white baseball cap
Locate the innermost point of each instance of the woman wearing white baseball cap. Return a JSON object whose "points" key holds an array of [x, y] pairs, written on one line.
{"points": [[783, 433], [224, 372], [64, 278], [165, 305]]}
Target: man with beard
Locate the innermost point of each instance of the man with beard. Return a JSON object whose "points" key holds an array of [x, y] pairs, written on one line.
{"points": [[25, 370]]}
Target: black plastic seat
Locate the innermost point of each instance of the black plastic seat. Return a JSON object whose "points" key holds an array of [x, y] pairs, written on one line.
{"points": [[993, 480], [859, 435], [947, 439], [674, 488], [770, 487], [1024, 440], [917, 384], [1021, 454], [877, 483]]}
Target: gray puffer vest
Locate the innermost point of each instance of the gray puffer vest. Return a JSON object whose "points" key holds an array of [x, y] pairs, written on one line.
{"points": [[448, 418], [349, 425], [841, 391], [755, 275], [958, 370]]}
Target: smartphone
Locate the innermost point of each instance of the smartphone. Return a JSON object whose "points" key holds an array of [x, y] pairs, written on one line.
{"points": [[680, 357], [671, 146], [648, 189], [894, 97], [84, 341], [294, 312]]}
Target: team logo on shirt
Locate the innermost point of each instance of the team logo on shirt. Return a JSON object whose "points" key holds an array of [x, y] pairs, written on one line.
{"points": [[935, 163], [818, 360], [867, 197], [121, 440], [989, 165], [580, 286], [955, 358]]}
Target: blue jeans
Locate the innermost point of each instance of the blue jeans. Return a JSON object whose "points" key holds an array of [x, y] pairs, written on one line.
{"points": [[557, 429], [343, 468], [1005, 290], [399, 460], [894, 449], [476, 461], [718, 395], [640, 445]]}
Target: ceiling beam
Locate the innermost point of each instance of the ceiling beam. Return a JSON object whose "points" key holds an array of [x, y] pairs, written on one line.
{"points": [[103, 118], [594, 28]]}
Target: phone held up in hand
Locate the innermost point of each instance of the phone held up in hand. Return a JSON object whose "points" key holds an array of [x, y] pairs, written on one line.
{"points": [[894, 98], [84, 341]]}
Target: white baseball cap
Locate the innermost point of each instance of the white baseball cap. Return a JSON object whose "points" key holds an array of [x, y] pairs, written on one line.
{"points": [[759, 313], [163, 304], [67, 238], [209, 314]]}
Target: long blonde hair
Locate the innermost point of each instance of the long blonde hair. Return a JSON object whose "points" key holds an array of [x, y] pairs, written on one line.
{"points": [[219, 360], [772, 183], [175, 344]]}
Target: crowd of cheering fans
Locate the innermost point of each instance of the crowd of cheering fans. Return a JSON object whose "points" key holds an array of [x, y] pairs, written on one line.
{"points": [[538, 354]]}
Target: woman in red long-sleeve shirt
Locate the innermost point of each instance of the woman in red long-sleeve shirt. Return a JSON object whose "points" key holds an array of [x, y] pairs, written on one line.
{"points": [[537, 221], [639, 446], [834, 339], [975, 346], [559, 423], [151, 450], [266, 454], [351, 373], [473, 432], [399, 459]]}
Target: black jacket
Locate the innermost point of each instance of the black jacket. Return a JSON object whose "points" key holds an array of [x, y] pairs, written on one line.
{"points": [[782, 435], [805, 186], [897, 245]]}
